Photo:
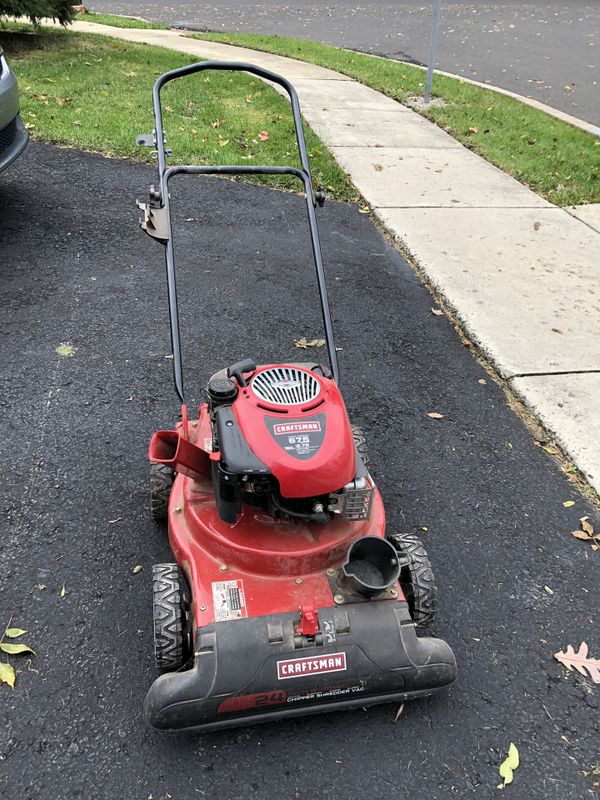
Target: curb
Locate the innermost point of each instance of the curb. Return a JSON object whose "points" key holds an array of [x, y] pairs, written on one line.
{"points": [[528, 101]]}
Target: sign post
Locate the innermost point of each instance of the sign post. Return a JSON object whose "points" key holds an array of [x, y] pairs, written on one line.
{"points": [[435, 29]]}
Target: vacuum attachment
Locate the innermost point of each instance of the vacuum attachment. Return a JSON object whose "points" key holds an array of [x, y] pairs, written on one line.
{"points": [[371, 567]]}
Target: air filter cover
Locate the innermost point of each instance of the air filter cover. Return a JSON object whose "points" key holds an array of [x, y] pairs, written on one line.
{"points": [[286, 386]]}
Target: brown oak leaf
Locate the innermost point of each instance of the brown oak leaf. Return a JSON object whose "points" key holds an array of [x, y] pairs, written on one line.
{"points": [[579, 660]]}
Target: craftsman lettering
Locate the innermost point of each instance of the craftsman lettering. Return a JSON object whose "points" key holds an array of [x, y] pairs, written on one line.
{"points": [[297, 667], [297, 427]]}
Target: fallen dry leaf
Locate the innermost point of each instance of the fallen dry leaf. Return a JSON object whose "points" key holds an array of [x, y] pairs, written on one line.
{"points": [[508, 766], [378, 167], [437, 312], [435, 415], [586, 533], [586, 525], [65, 350], [580, 661], [63, 590], [137, 568], [473, 130], [581, 535], [304, 343], [223, 142], [537, 226], [14, 633], [15, 649], [7, 674], [217, 123], [263, 136], [399, 712], [568, 503]]}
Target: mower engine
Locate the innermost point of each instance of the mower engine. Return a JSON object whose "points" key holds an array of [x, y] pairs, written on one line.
{"points": [[282, 441]]}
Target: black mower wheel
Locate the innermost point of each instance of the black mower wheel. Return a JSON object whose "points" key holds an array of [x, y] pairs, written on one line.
{"points": [[416, 578], [361, 444], [161, 483], [171, 617]]}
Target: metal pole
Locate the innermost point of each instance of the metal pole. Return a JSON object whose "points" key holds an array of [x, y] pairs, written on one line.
{"points": [[435, 29]]}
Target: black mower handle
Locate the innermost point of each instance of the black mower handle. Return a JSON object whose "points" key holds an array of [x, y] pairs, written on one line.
{"points": [[159, 201], [228, 66]]}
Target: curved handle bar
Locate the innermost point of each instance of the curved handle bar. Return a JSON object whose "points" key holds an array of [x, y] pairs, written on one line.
{"points": [[165, 173], [230, 66]]}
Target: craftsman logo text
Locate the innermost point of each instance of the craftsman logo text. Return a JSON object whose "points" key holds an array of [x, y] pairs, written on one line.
{"points": [[296, 427], [297, 667]]}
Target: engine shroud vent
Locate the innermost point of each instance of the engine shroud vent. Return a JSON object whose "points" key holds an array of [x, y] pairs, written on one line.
{"points": [[286, 386]]}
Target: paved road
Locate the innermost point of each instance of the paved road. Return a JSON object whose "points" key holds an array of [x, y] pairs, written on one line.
{"points": [[74, 269], [543, 49]]}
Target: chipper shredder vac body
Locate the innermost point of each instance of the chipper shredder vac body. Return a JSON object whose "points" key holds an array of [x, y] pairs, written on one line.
{"points": [[287, 596]]}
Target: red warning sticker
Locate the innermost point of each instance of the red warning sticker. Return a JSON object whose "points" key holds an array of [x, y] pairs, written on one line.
{"points": [[228, 600], [298, 667], [296, 427]]}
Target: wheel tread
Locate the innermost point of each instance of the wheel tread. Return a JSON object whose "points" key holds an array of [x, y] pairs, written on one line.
{"points": [[169, 617], [417, 579], [161, 483]]}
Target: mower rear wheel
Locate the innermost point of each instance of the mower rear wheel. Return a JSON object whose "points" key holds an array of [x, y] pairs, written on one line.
{"points": [[171, 617], [161, 483], [361, 444], [416, 578]]}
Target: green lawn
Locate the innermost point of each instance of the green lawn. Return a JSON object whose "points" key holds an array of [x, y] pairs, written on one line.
{"points": [[94, 93], [556, 160], [119, 21]]}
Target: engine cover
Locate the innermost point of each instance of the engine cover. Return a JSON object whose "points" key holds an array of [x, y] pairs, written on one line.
{"points": [[296, 424]]}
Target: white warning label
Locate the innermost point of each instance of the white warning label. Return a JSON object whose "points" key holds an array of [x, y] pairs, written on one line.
{"points": [[228, 600]]}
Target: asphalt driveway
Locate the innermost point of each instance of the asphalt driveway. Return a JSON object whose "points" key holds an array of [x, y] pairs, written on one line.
{"points": [[515, 587]]}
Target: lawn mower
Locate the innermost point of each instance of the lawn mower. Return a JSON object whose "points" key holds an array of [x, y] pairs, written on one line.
{"points": [[286, 596]]}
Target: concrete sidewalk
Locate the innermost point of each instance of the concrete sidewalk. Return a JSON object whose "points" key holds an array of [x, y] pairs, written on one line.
{"points": [[521, 275]]}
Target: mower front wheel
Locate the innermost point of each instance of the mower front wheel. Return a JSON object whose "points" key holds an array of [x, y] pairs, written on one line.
{"points": [[416, 578], [361, 444], [161, 483], [172, 639]]}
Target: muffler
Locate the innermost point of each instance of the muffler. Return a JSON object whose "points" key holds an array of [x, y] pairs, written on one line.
{"points": [[171, 449]]}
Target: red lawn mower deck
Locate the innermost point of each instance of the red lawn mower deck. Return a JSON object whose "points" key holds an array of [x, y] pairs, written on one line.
{"points": [[287, 597]]}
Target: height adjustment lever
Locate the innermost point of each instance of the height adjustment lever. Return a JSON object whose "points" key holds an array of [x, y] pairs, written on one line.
{"points": [[149, 140]]}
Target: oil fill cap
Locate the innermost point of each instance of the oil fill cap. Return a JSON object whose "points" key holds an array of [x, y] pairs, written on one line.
{"points": [[221, 390]]}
